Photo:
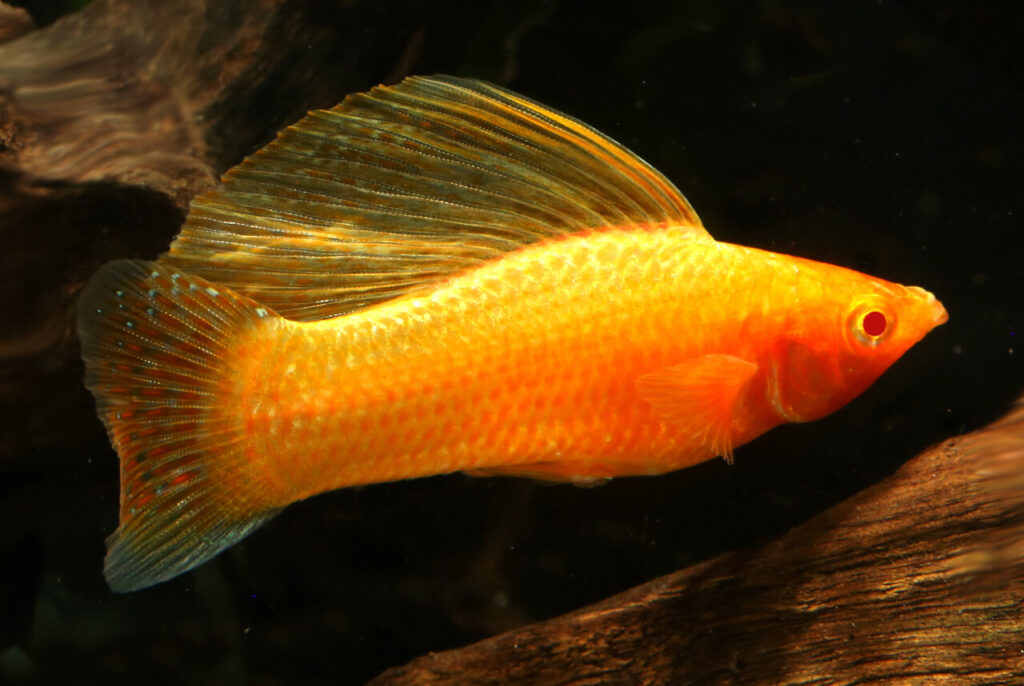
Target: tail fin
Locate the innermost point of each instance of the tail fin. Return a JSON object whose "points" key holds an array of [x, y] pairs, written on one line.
{"points": [[155, 342]]}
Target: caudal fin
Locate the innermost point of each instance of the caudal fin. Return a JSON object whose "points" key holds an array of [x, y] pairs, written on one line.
{"points": [[155, 342]]}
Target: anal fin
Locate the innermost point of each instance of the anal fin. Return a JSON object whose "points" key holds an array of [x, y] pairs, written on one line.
{"points": [[560, 472]]}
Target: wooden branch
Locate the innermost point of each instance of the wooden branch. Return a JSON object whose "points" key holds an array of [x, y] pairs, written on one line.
{"points": [[111, 120], [917, 580]]}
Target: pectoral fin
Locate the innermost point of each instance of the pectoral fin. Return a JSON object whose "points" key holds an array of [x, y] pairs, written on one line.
{"points": [[700, 397]]}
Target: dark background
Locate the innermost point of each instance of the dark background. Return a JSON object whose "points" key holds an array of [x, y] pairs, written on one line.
{"points": [[881, 136]]}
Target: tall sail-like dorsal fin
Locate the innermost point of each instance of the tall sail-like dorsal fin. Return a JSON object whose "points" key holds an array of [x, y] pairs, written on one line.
{"points": [[406, 185]]}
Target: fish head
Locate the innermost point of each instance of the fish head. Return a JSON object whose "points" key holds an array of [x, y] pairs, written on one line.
{"points": [[843, 338]]}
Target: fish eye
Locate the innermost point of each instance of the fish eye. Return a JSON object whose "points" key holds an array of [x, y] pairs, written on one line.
{"points": [[874, 323], [870, 323]]}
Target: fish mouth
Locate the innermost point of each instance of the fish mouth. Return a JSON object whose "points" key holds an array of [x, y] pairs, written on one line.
{"points": [[932, 305]]}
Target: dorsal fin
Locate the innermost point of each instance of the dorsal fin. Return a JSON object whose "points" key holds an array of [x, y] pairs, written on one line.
{"points": [[406, 185]]}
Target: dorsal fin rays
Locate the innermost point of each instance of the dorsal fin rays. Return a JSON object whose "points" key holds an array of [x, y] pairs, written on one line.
{"points": [[396, 189], [532, 126], [430, 179], [607, 151], [516, 130]]}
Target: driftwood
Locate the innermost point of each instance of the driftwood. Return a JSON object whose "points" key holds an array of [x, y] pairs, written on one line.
{"points": [[917, 580], [111, 120], [14, 22]]}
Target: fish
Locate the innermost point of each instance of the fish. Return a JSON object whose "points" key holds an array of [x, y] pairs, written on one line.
{"points": [[439, 276]]}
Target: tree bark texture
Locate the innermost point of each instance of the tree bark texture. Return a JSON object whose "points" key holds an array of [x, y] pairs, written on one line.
{"points": [[917, 580]]}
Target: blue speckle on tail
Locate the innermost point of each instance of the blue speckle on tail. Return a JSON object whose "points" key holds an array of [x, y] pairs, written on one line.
{"points": [[155, 365]]}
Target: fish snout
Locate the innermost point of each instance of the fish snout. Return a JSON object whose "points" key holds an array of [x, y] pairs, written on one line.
{"points": [[930, 305]]}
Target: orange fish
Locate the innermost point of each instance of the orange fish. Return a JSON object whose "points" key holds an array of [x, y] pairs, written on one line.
{"points": [[444, 275]]}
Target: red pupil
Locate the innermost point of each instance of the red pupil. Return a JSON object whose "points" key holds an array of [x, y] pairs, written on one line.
{"points": [[874, 323]]}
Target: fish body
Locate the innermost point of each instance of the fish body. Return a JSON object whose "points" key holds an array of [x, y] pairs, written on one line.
{"points": [[600, 341], [530, 364]]}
